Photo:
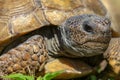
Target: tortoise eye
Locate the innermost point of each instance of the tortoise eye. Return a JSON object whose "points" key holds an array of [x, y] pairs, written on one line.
{"points": [[88, 28]]}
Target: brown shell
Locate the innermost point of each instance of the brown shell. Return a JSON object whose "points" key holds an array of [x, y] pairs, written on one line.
{"points": [[18, 17]]}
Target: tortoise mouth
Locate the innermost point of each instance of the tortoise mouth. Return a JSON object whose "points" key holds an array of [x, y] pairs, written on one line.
{"points": [[99, 43], [91, 48], [95, 44], [97, 39], [87, 49], [94, 48], [106, 41]]}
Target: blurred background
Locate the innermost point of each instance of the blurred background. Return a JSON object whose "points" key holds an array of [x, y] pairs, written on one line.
{"points": [[113, 7]]}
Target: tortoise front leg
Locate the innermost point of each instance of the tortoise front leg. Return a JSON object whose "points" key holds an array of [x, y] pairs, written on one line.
{"points": [[26, 58]]}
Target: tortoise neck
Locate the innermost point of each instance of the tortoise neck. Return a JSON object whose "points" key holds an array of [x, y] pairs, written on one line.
{"points": [[58, 45], [54, 43]]}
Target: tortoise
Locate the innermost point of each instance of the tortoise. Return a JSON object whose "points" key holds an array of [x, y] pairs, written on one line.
{"points": [[37, 34]]}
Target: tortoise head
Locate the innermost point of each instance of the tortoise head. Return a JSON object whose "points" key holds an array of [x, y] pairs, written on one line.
{"points": [[85, 35]]}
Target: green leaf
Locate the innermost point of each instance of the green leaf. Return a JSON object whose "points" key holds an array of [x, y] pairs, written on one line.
{"points": [[93, 77], [39, 78], [19, 76], [15, 76], [29, 77], [111, 78], [50, 76]]}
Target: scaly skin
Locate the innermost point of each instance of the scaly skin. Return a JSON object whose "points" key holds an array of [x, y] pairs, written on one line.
{"points": [[112, 54], [78, 36], [25, 58]]}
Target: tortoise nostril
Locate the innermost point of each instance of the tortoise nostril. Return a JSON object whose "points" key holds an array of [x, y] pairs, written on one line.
{"points": [[88, 28]]}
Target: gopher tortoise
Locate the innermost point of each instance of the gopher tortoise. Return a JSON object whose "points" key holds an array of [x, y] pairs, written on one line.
{"points": [[40, 36]]}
